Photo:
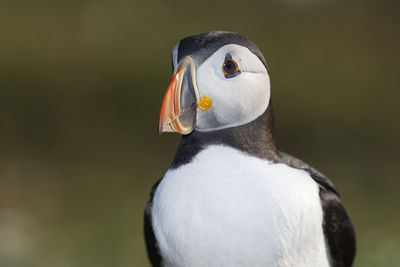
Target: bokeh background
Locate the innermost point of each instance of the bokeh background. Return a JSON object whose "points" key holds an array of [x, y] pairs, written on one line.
{"points": [[81, 84]]}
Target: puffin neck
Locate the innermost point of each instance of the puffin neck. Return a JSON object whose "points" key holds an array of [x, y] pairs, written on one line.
{"points": [[255, 138]]}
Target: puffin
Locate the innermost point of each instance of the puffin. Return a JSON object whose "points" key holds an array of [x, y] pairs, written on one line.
{"points": [[230, 197]]}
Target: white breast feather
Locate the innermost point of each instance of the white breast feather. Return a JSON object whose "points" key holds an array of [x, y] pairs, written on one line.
{"points": [[226, 208]]}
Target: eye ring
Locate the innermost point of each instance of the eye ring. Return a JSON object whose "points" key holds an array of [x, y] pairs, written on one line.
{"points": [[230, 68]]}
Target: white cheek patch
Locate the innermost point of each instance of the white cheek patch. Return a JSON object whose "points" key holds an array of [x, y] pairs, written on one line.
{"points": [[238, 100]]}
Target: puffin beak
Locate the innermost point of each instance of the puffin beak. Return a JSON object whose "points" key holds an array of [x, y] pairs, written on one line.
{"points": [[179, 106]]}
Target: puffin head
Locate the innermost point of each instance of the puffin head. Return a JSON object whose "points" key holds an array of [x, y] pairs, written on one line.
{"points": [[220, 81]]}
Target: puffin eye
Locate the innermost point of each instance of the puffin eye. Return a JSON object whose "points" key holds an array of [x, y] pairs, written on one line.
{"points": [[230, 68]]}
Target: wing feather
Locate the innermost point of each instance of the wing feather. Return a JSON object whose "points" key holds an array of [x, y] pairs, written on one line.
{"points": [[338, 230], [153, 251]]}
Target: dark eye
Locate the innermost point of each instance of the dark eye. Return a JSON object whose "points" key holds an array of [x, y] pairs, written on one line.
{"points": [[230, 68]]}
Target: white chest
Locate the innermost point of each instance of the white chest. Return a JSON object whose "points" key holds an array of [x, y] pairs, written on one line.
{"points": [[228, 209]]}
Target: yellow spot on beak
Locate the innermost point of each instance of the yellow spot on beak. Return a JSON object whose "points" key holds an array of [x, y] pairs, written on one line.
{"points": [[205, 103]]}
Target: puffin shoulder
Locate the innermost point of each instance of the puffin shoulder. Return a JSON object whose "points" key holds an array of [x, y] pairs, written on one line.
{"points": [[337, 227], [318, 177]]}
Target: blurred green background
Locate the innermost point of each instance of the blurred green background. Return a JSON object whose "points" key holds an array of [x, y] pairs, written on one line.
{"points": [[81, 84]]}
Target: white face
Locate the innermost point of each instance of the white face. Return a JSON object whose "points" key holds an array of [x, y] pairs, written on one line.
{"points": [[237, 100]]}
